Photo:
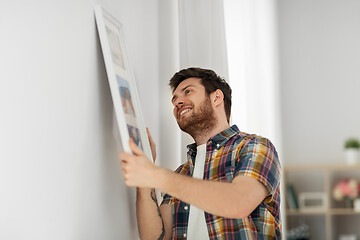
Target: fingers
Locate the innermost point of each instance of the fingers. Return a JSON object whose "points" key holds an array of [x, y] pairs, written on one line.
{"points": [[123, 156], [126, 166], [124, 170], [134, 148], [134, 165], [123, 167]]}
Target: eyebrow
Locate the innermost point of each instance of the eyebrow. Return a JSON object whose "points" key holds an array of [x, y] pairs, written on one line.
{"points": [[182, 90]]}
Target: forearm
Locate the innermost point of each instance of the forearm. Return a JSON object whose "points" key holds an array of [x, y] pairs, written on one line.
{"points": [[219, 198], [149, 219]]}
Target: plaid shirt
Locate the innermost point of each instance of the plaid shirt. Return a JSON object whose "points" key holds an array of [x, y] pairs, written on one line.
{"points": [[229, 154]]}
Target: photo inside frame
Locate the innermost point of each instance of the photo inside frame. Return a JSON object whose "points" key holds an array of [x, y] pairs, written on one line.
{"points": [[129, 110], [116, 53]]}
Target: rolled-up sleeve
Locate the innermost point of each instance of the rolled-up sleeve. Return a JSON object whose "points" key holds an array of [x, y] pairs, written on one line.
{"points": [[258, 159]]}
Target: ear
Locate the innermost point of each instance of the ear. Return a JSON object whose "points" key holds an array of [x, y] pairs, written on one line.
{"points": [[217, 97]]}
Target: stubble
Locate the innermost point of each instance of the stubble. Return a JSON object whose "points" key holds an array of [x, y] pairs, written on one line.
{"points": [[201, 121]]}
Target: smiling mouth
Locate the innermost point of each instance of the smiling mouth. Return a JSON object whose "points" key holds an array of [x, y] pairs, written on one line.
{"points": [[184, 111]]}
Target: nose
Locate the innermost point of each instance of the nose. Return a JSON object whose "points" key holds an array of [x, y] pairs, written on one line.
{"points": [[178, 102]]}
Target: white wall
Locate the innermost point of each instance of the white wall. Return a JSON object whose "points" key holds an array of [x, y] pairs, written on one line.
{"points": [[320, 78], [59, 172]]}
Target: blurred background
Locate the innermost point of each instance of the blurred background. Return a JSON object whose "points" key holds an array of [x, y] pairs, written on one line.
{"points": [[292, 64]]}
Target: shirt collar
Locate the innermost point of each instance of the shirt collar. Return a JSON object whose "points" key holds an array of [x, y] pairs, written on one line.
{"points": [[218, 140]]}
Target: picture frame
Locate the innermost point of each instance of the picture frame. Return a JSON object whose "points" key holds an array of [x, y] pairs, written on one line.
{"points": [[313, 201], [122, 84]]}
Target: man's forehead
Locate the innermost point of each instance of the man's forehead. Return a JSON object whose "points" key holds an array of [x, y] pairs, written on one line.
{"points": [[193, 81]]}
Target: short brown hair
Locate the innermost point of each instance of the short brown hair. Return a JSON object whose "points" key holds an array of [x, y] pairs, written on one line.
{"points": [[209, 79]]}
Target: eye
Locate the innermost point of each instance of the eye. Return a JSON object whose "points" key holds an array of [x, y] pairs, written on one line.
{"points": [[187, 91]]}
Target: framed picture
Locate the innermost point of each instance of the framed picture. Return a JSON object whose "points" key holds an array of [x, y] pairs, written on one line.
{"points": [[313, 200], [121, 81]]}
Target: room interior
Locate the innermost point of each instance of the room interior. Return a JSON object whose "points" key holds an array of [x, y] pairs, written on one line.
{"points": [[293, 66]]}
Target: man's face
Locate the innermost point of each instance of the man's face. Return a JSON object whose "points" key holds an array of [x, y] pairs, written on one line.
{"points": [[192, 107]]}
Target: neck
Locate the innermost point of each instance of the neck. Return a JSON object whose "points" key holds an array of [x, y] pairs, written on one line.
{"points": [[204, 136]]}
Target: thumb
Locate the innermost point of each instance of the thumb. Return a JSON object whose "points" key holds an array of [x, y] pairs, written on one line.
{"points": [[134, 148]]}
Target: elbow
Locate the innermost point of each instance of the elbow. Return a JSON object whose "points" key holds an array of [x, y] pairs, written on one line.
{"points": [[240, 213], [156, 236], [234, 211]]}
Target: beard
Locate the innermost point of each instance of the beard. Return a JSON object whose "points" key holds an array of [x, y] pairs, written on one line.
{"points": [[201, 121]]}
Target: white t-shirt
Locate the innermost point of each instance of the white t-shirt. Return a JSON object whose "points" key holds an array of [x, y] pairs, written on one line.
{"points": [[197, 229]]}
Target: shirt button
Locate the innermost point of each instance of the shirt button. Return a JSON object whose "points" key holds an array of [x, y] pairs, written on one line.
{"points": [[184, 234], [186, 208], [217, 145]]}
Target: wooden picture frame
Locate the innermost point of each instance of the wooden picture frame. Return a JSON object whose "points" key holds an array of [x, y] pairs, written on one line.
{"points": [[121, 81]]}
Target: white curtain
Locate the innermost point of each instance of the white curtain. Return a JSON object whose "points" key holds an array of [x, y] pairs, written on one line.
{"points": [[192, 33], [169, 147], [251, 41], [202, 35], [202, 41], [251, 36]]}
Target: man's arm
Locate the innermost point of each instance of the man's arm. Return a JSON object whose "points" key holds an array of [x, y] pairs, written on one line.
{"points": [[166, 212], [232, 200], [154, 222]]}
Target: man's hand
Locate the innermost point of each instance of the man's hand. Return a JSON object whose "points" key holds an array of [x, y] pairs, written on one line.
{"points": [[138, 170]]}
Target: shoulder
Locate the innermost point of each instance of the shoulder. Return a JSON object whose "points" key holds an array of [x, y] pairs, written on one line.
{"points": [[247, 143], [257, 157], [256, 153]]}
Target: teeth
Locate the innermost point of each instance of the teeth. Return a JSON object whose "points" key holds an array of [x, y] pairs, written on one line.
{"points": [[184, 111]]}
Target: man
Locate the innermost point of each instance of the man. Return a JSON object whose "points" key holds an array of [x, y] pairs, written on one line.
{"points": [[234, 189]]}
